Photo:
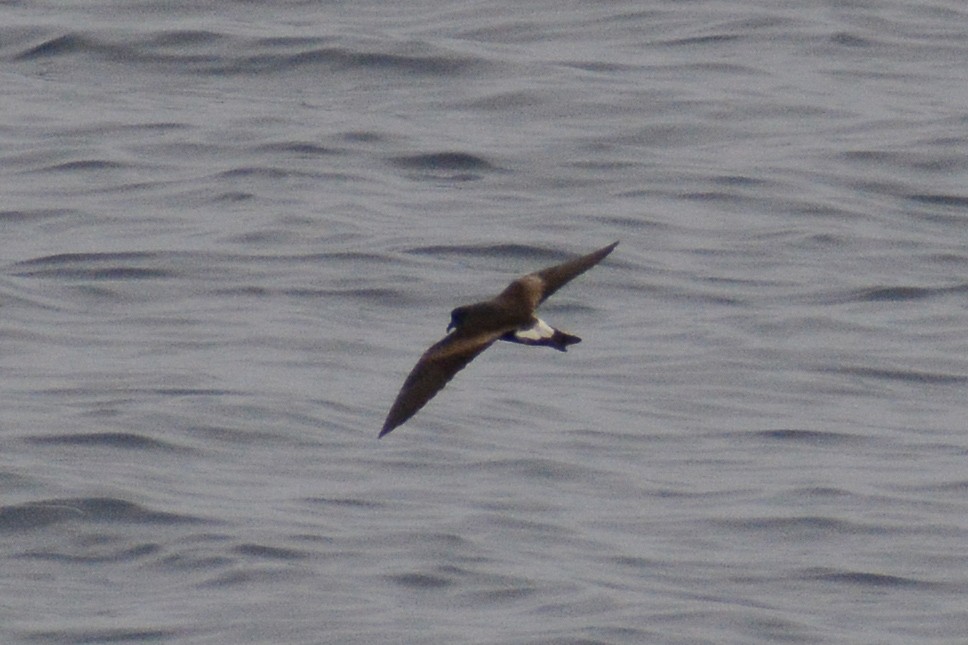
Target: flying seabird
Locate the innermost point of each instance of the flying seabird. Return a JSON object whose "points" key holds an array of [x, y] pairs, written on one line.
{"points": [[474, 328]]}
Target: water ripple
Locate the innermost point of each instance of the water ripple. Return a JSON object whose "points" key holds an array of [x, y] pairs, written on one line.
{"points": [[865, 579], [124, 440], [34, 515]]}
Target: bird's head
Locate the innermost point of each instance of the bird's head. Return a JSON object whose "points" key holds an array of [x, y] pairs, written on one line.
{"points": [[457, 318]]}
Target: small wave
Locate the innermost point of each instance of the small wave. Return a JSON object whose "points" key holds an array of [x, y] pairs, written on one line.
{"points": [[348, 502], [813, 437], [54, 46], [909, 376], [539, 469], [800, 525], [363, 136], [187, 391], [231, 197], [501, 101], [691, 41], [449, 161], [900, 293], [249, 577], [207, 52], [847, 39], [93, 266], [84, 165], [375, 294], [420, 580], [454, 166], [864, 579], [72, 258], [888, 293], [343, 59], [300, 148], [110, 273], [269, 552], [35, 515], [125, 440], [957, 486], [260, 172], [523, 251], [954, 201], [112, 635], [105, 553], [424, 65], [183, 37], [894, 294], [32, 215]]}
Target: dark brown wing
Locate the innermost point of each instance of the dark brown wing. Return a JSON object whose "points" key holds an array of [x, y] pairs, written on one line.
{"points": [[554, 278], [433, 371]]}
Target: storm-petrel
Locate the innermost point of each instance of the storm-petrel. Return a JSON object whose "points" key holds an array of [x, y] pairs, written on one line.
{"points": [[509, 316]]}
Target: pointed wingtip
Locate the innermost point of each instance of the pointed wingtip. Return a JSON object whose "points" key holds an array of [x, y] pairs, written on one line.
{"points": [[603, 252]]}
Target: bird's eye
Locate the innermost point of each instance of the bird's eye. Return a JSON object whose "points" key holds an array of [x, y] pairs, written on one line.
{"points": [[456, 318]]}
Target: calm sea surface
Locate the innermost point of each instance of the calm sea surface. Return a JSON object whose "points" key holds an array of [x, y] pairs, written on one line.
{"points": [[228, 230]]}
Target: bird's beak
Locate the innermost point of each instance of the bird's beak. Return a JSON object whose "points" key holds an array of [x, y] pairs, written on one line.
{"points": [[450, 326]]}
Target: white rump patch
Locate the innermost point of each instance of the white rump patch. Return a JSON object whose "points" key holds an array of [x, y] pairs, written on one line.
{"points": [[540, 330]]}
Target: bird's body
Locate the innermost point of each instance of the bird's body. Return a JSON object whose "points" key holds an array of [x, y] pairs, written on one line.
{"points": [[509, 316]]}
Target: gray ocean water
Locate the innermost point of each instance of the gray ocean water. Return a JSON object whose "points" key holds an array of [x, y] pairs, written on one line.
{"points": [[229, 229]]}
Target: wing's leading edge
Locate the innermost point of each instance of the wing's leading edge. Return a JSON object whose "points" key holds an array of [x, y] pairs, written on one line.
{"points": [[554, 278], [433, 371]]}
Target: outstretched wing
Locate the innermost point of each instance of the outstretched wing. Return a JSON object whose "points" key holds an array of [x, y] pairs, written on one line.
{"points": [[434, 370], [554, 278]]}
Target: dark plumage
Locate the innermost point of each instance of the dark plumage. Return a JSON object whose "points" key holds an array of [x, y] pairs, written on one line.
{"points": [[509, 316]]}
